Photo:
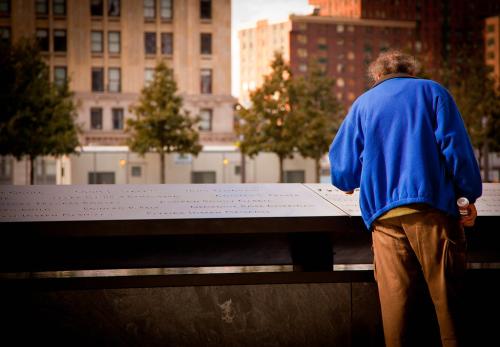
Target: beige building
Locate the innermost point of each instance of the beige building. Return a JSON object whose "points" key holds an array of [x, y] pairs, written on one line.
{"points": [[257, 48], [492, 44], [109, 48]]}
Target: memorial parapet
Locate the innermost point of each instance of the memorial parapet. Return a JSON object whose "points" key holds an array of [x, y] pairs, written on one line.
{"points": [[47, 228]]}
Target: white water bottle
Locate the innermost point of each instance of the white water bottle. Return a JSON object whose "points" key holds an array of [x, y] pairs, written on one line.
{"points": [[463, 206]]}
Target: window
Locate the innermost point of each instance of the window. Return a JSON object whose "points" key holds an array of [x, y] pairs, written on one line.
{"points": [[96, 7], [149, 75], [60, 75], [96, 44], [45, 171], [490, 55], [97, 79], [340, 82], [5, 35], [101, 178], [96, 118], [167, 43], [136, 171], [340, 28], [490, 28], [350, 55], [59, 40], [4, 7], [114, 8], [206, 81], [302, 39], [203, 177], [42, 7], [117, 114], [302, 52], [42, 37], [206, 120], [5, 170], [206, 43], [150, 43], [206, 9], [322, 47], [114, 42], [166, 9], [114, 79], [491, 42], [149, 9], [294, 176], [59, 7]]}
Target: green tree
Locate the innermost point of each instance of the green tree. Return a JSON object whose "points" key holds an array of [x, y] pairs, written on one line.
{"points": [[478, 99], [161, 124], [267, 126], [318, 112], [37, 117]]}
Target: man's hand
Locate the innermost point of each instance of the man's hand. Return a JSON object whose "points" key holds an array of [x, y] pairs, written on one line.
{"points": [[349, 192], [468, 221]]}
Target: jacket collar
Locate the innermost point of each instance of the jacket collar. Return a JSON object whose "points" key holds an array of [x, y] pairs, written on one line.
{"points": [[392, 75]]}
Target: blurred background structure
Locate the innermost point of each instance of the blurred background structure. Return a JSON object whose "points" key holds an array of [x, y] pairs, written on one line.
{"points": [[108, 50]]}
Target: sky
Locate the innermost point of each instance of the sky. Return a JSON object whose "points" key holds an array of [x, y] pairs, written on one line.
{"points": [[245, 13]]}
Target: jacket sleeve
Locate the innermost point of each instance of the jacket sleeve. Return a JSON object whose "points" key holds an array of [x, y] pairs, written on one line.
{"points": [[346, 153], [456, 149]]}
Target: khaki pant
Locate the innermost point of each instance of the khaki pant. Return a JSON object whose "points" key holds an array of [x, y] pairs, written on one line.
{"points": [[428, 245]]}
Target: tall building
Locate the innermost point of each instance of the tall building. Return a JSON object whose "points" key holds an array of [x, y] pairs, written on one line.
{"points": [[109, 48], [342, 46], [445, 29], [492, 46], [257, 48]]}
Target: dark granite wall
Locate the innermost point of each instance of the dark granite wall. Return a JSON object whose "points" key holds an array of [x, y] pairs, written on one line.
{"points": [[239, 315], [327, 314]]}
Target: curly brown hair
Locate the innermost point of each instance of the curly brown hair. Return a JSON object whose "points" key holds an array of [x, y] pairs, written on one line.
{"points": [[390, 62]]}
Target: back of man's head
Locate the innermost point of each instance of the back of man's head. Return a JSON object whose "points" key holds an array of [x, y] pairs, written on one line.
{"points": [[392, 62]]}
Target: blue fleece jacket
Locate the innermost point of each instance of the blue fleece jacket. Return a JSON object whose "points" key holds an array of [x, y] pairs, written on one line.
{"points": [[404, 142]]}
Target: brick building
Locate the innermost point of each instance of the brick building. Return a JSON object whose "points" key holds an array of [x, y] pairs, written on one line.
{"points": [[343, 48], [445, 29]]}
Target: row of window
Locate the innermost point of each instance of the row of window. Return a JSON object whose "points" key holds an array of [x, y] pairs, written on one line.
{"points": [[96, 122], [42, 8], [117, 119], [113, 41], [167, 43]]}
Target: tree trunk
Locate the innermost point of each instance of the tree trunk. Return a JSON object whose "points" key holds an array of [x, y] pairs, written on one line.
{"points": [[32, 170], [243, 168], [282, 178], [486, 162], [318, 169], [162, 167]]}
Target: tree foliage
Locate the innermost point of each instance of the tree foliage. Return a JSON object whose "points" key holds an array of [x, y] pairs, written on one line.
{"points": [[267, 126], [290, 114], [37, 117], [478, 98], [161, 125], [318, 112]]}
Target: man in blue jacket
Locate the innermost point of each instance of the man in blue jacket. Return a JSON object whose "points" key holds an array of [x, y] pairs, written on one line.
{"points": [[404, 144]]}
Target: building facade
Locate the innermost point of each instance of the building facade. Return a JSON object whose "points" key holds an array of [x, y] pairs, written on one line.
{"points": [[257, 48], [109, 49], [343, 47], [492, 45], [446, 30]]}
